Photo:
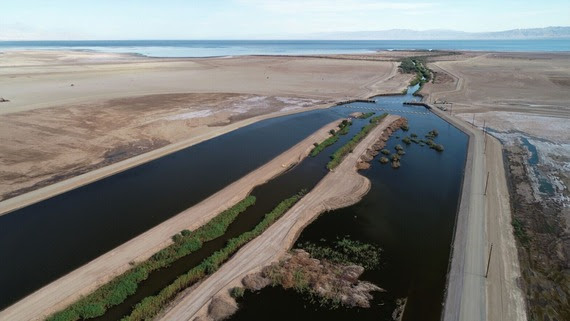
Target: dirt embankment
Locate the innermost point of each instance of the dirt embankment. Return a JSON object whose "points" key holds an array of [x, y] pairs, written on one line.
{"points": [[339, 188], [89, 277]]}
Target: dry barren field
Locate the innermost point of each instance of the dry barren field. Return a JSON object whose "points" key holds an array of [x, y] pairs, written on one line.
{"points": [[70, 113]]}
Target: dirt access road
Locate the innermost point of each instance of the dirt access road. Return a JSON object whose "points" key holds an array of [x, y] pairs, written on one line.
{"points": [[484, 217], [339, 188]]}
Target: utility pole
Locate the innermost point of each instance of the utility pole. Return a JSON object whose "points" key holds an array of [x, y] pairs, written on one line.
{"points": [[486, 184], [489, 260], [473, 121], [485, 137]]}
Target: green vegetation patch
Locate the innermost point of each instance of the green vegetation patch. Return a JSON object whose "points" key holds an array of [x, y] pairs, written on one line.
{"points": [[366, 115], [345, 251], [520, 231], [237, 292], [344, 128], [416, 65], [124, 285], [341, 153], [152, 305]]}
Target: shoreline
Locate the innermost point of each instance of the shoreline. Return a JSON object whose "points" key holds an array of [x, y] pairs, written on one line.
{"points": [[85, 279], [341, 187], [43, 193]]}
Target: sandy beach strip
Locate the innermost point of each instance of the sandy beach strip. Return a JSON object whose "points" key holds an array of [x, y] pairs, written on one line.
{"points": [[339, 188], [87, 278]]}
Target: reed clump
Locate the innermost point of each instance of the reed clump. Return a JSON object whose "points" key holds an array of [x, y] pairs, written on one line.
{"points": [[340, 153]]}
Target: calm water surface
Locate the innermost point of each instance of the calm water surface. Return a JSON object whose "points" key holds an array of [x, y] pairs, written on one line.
{"points": [[208, 48], [409, 213]]}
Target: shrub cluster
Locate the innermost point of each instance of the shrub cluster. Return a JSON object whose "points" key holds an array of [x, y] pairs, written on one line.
{"points": [[152, 305], [366, 115], [116, 291], [345, 251], [340, 153], [237, 292], [416, 65], [344, 128]]}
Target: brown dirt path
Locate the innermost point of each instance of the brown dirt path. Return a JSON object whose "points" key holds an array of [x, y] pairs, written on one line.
{"points": [[87, 278], [339, 188]]}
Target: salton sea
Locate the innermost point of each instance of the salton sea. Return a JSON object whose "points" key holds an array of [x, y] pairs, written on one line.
{"points": [[208, 48]]}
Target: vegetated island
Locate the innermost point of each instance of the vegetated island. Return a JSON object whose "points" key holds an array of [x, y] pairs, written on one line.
{"points": [[339, 188]]}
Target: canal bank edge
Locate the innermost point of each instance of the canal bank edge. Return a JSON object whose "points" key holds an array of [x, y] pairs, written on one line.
{"points": [[339, 188], [36, 196], [465, 263], [85, 279], [483, 218]]}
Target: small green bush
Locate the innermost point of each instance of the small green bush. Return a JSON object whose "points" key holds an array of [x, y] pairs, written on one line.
{"points": [[237, 292], [385, 151]]}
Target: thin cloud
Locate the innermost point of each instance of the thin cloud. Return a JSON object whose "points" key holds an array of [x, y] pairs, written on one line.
{"points": [[333, 6]]}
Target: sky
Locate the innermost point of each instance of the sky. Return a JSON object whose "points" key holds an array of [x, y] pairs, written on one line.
{"points": [[263, 19]]}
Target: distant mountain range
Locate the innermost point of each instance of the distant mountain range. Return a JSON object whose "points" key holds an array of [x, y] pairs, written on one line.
{"points": [[441, 34]]}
